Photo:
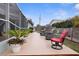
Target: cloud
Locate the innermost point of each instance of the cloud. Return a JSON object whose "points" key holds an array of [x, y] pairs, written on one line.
{"points": [[60, 14], [77, 7]]}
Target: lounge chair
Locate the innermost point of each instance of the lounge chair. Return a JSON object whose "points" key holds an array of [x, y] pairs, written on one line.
{"points": [[58, 42]]}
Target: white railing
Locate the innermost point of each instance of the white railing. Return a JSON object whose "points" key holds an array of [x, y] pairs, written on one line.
{"points": [[11, 23]]}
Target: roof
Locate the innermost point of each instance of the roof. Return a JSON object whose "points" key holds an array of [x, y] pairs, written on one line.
{"points": [[30, 21], [55, 21]]}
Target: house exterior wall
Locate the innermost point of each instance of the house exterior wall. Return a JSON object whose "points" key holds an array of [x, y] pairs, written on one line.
{"points": [[30, 25], [12, 13], [15, 15]]}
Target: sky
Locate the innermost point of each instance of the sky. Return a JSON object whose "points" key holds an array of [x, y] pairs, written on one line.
{"points": [[48, 11]]}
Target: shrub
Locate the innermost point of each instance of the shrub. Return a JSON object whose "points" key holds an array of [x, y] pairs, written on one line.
{"points": [[17, 34]]}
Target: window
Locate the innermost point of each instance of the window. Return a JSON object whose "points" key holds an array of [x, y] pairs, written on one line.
{"points": [[2, 16]]}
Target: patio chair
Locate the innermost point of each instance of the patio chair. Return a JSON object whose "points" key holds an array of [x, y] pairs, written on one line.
{"points": [[50, 34], [42, 32], [58, 42]]}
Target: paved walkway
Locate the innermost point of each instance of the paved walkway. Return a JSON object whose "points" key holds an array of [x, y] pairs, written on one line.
{"points": [[37, 45]]}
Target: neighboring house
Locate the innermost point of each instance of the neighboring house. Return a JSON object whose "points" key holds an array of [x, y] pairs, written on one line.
{"points": [[52, 28], [55, 21], [30, 23]]}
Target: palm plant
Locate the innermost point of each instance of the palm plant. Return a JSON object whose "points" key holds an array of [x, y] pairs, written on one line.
{"points": [[17, 34]]}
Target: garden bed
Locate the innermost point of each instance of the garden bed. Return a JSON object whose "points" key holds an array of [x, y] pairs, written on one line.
{"points": [[72, 45]]}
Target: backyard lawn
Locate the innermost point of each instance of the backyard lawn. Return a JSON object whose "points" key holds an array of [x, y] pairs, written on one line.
{"points": [[72, 45]]}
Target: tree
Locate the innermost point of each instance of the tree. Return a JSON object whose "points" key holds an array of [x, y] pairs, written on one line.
{"points": [[64, 24], [75, 21]]}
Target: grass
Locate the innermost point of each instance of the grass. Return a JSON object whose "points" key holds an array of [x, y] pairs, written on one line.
{"points": [[72, 45]]}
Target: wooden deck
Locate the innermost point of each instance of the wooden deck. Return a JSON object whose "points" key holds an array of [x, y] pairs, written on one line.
{"points": [[38, 45]]}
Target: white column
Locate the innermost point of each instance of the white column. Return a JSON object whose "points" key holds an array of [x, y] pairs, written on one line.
{"points": [[7, 17], [20, 21], [20, 18]]}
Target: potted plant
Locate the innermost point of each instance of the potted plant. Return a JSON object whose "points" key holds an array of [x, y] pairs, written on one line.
{"points": [[16, 43]]}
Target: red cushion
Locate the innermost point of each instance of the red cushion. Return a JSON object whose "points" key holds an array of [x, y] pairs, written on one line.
{"points": [[56, 39], [64, 33]]}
